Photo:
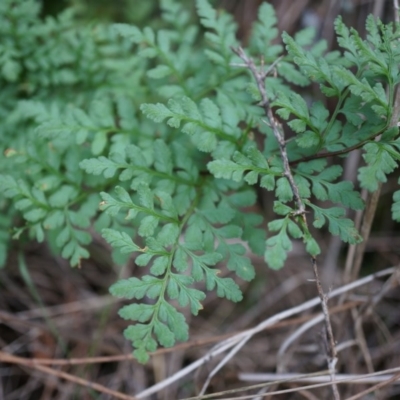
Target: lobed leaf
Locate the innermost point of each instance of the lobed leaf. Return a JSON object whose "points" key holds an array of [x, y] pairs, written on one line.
{"points": [[120, 240]]}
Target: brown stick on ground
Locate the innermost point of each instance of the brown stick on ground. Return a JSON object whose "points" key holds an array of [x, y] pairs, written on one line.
{"points": [[9, 358]]}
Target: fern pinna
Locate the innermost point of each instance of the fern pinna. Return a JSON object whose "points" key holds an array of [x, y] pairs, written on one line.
{"points": [[161, 134]]}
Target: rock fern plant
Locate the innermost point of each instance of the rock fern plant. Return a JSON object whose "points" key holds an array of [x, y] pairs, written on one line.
{"points": [[159, 128]]}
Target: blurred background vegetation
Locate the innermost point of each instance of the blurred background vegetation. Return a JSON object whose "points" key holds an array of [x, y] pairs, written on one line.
{"points": [[292, 15]]}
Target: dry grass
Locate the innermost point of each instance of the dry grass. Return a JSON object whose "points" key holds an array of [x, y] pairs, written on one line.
{"points": [[71, 347]]}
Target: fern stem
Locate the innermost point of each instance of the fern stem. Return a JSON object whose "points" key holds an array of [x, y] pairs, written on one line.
{"points": [[279, 135]]}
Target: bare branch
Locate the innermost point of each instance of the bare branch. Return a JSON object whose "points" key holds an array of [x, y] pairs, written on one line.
{"points": [[259, 75]]}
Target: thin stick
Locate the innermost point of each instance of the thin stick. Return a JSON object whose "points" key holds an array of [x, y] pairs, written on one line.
{"points": [[355, 258], [275, 125], [8, 358], [316, 319], [347, 379], [331, 348], [259, 76], [375, 387], [396, 11], [181, 346], [361, 379], [247, 334]]}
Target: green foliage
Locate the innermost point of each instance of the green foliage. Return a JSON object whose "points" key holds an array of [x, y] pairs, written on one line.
{"points": [[152, 139]]}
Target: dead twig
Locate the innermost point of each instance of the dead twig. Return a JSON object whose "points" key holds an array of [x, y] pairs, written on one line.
{"points": [[304, 328], [259, 76], [361, 379], [375, 387], [9, 358], [320, 379], [396, 11], [237, 341], [331, 345]]}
